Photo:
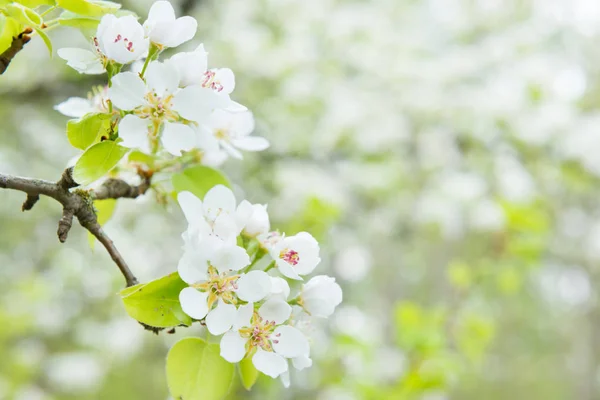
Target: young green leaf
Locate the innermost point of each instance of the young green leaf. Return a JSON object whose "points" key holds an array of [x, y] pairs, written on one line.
{"points": [[198, 180], [97, 161], [45, 38], [9, 28], [24, 14], [84, 132], [89, 8], [35, 3], [156, 303], [248, 373], [196, 371]]}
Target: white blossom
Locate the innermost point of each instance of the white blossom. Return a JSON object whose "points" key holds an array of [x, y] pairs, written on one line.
{"points": [[217, 214], [164, 30], [77, 107], [320, 296], [155, 104], [231, 131], [118, 39], [264, 334], [296, 255]]}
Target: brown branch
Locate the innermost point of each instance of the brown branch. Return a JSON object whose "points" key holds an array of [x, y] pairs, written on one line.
{"points": [[76, 203], [15, 47], [30, 202], [117, 188]]}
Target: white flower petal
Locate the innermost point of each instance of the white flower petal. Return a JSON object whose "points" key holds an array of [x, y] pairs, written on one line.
{"points": [[289, 342], [285, 378], [232, 151], [193, 302], [134, 132], [233, 347], [217, 199], [81, 60], [127, 91], [161, 11], [230, 258], [226, 78], [235, 107], [195, 102], [191, 206], [225, 227], [319, 307], [220, 320], [251, 143], [193, 267], [244, 315], [175, 33], [269, 363], [75, 107], [243, 213], [161, 79], [279, 287], [191, 66], [176, 138], [287, 270], [302, 362], [253, 286], [276, 310]]}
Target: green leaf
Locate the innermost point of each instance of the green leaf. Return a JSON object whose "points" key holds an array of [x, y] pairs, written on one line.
{"points": [[84, 132], [198, 180], [156, 303], [89, 8], [45, 38], [87, 25], [104, 210], [9, 28], [248, 373], [196, 371], [24, 14], [137, 156], [97, 161], [33, 3]]}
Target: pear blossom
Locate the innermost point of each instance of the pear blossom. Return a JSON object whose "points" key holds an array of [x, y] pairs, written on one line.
{"points": [[164, 30], [118, 39], [264, 335], [210, 87], [296, 255], [216, 215], [320, 296], [77, 107], [231, 130], [209, 267], [153, 103]]}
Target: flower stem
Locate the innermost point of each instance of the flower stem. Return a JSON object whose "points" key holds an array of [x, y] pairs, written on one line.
{"points": [[270, 266], [257, 258]]}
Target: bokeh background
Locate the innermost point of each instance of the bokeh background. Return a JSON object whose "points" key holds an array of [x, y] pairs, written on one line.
{"points": [[446, 153]]}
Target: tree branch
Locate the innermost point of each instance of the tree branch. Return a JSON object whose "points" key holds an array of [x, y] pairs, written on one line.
{"points": [[15, 47], [78, 204]]}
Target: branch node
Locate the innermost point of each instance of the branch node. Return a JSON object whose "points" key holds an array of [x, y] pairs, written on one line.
{"points": [[30, 202], [65, 224], [66, 180]]}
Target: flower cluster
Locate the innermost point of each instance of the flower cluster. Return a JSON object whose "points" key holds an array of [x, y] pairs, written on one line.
{"points": [[176, 105], [223, 246]]}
